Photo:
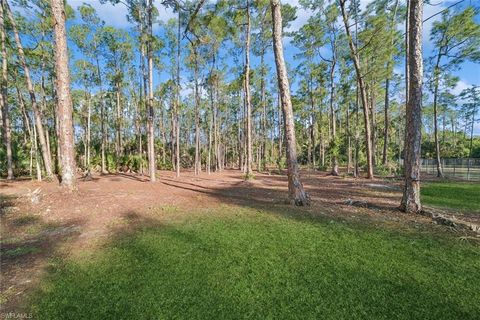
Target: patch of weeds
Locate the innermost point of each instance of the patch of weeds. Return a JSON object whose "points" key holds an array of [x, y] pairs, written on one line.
{"points": [[169, 209], [25, 220], [20, 251], [249, 176], [11, 240], [33, 229], [118, 222]]}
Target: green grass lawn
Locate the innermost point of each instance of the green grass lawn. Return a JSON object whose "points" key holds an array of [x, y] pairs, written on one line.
{"points": [[251, 264], [454, 195]]}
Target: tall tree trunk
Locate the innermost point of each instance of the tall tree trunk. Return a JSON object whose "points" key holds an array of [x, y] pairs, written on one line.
{"points": [[177, 102], [386, 119], [197, 114], [407, 72], [150, 127], [321, 148], [38, 117], [333, 121], [474, 111], [209, 154], [102, 119], [297, 194], [356, 168], [314, 121], [387, 91], [264, 110], [363, 93], [89, 129], [64, 101], [7, 136], [435, 118], [411, 194], [349, 140], [119, 144], [38, 169], [248, 99]]}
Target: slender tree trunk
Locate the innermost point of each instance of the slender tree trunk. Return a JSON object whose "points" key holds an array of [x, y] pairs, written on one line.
{"points": [[387, 91], [150, 127], [7, 136], [248, 101], [281, 134], [386, 120], [435, 119], [64, 102], [38, 117], [264, 110], [349, 141], [333, 122], [89, 129], [197, 114], [314, 122], [102, 118], [119, 145], [356, 169], [363, 93], [297, 194], [38, 169], [177, 104], [407, 72], [209, 155], [474, 111], [143, 82], [411, 194], [172, 140]]}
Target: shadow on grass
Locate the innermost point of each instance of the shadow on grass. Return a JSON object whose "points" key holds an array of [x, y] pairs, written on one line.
{"points": [[26, 242], [242, 263]]}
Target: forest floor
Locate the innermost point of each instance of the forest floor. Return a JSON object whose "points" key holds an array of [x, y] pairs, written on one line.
{"points": [[43, 226]]}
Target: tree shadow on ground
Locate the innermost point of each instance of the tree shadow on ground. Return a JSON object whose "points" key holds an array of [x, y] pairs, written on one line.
{"points": [[27, 241]]}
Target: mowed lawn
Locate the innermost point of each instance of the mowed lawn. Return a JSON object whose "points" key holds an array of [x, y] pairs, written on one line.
{"points": [[454, 195], [245, 263]]}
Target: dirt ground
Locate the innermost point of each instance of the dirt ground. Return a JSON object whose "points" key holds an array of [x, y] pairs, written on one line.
{"points": [[39, 221]]}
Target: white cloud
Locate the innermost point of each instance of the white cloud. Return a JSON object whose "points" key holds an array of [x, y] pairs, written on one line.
{"points": [[461, 85], [302, 16], [116, 15]]}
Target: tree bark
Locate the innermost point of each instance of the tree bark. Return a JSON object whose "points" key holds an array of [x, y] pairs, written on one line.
{"points": [[197, 113], [119, 145], [177, 102], [102, 119], [333, 121], [435, 117], [297, 194], [385, 129], [150, 127], [387, 87], [411, 194], [248, 99], [64, 102], [7, 135], [38, 117]]}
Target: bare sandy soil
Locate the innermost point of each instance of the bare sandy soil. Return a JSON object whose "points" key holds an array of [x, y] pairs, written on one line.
{"points": [[39, 221]]}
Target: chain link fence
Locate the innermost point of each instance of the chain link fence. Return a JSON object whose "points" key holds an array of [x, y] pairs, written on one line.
{"points": [[462, 168]]}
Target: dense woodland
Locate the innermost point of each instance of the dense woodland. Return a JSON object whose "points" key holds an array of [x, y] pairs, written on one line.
{"points": [[211, 89]]}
